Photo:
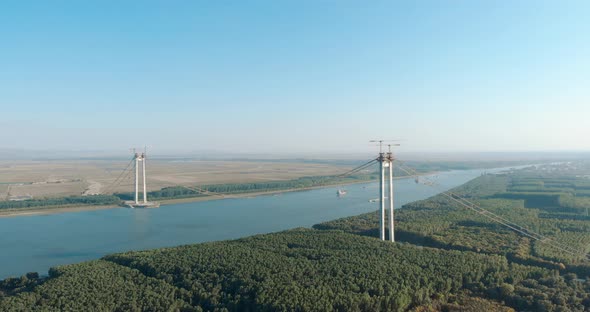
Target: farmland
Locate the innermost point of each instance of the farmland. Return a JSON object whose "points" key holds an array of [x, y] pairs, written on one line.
{"points": [[41, 179]]}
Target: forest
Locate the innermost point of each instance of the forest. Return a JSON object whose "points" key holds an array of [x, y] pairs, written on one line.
{"points": [[445, 258]]}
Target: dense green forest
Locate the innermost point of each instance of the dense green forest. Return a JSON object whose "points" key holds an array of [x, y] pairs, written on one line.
{"points": [[446, 258], [62, 201]]}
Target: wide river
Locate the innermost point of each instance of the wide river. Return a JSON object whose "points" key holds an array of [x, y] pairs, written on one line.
{"points": [[36, 243]]}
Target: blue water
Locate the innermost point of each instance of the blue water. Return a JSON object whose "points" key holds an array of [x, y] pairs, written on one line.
{"points": [[36, 243]]}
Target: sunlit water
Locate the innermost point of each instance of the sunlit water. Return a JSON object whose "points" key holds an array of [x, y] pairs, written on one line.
{"points": [[36, 243]]}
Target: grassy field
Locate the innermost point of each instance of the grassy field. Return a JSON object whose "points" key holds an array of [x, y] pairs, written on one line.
{"points": [[75, 177]]}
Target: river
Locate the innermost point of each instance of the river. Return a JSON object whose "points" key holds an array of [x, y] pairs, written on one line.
{"points": [[36, 243]]}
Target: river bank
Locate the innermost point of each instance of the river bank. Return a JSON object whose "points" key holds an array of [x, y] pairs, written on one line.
{"points": [[65, 238], [17, 212], [63, 209]]}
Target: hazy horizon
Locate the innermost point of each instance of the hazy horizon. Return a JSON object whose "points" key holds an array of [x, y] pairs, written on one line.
{"points": [[295, 78], [31, 154]]}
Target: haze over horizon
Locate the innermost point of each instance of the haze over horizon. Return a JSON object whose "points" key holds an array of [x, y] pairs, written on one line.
{"points": [[305, 77], [361, 155]]}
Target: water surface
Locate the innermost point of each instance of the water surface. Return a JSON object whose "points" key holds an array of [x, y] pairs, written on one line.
{"points": [[36, 243]]}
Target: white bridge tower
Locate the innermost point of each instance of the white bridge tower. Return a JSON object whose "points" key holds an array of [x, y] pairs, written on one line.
{"points": [[140, 158], [386, 166]]}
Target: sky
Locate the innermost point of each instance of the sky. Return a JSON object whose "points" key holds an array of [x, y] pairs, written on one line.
{"points": [[298, 77]]}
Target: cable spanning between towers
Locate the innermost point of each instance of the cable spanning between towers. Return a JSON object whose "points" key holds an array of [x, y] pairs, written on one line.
{"points": [[495, 217], [203, 191], [358, 169], [386, 162], [120, 178]]}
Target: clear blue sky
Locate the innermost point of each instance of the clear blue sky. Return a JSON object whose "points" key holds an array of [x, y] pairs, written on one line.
{"points": [[307, 76]]}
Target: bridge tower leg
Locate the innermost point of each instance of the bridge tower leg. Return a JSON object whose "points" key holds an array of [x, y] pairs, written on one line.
{"points": [[136, 178], [382, 196], [391, 229], [144, 183]]}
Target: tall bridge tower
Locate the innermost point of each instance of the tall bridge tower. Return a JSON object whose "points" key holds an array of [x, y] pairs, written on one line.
{"points": [[140, 159], [386, 173]]}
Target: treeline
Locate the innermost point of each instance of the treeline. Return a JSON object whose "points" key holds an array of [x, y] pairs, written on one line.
{"points": [[297, 270], [534, 199], [62, 201], [430, 166], [561, 196], [184, 192], [238, 188], [165, 193], [303, 182], [175, 192]]}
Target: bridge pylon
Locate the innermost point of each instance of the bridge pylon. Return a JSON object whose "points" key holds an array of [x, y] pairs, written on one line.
{"points": [[386, 179]]}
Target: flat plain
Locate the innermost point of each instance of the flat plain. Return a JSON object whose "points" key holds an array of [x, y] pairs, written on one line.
{"points": [[54, 178]]}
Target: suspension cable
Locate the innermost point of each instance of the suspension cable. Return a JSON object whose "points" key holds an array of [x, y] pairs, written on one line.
{"points": [[496, 218], [205, 192], [109, 188], [225, 195], [357, 169], [489, 214]]}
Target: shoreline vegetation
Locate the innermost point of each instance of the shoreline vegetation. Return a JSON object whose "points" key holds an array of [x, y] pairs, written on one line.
{"points": [[47, 210], [184, 194]]}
